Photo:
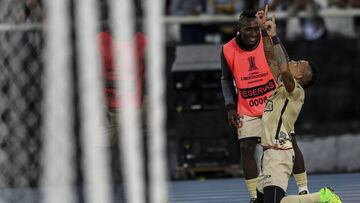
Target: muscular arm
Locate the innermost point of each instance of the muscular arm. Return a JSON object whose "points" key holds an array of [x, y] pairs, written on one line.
{"points": [[269, 54], [278, 52], [283, 63], [227, 84]]}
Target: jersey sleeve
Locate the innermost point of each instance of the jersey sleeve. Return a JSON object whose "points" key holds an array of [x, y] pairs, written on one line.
{"points": [[227, 84]]}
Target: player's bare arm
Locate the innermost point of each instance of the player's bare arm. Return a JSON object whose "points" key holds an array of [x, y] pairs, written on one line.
{"points": [[282, 61], [270, 56], [267, 32]]}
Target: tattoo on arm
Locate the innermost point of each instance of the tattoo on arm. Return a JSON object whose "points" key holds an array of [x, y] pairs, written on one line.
{"points": [[280, 56], [282, 61], [270, 56]]}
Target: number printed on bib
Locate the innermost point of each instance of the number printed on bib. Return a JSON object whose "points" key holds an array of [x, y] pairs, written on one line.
{"points": [[258, 101]]}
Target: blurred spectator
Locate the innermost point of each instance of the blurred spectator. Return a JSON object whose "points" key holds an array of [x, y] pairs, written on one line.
{"points": [[311, 27], [211, 33], [292, 5], [309, 6], [342, 26], [278, 5], [225, 7], [355, 22], [192, 33], [187, 7], [314, 28], [107, 47], [222, 32]]}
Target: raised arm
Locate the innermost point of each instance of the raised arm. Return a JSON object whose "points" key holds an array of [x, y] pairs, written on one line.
{"points": [[281, 67], [283, 64], [261, 17], [282, 59], [269, 54]]}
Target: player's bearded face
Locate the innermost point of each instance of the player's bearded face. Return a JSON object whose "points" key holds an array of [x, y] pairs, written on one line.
{"points": [[250, 32]]}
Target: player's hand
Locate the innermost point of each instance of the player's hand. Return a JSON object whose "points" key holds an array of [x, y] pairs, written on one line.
{"points": [[261, 17], [234, 118], [270, 26]]}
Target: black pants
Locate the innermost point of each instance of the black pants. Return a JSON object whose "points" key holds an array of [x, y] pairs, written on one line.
{"points": [[272, 194]]}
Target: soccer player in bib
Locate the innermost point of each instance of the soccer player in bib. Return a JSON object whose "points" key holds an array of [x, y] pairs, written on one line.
{"points": [[247, 84], [279, 117]]}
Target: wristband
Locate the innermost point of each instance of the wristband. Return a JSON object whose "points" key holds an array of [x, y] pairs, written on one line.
{"points": [[264, 33], [275, 40]]}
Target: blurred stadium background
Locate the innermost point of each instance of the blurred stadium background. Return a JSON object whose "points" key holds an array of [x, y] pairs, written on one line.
{"points": [[43, 118]]}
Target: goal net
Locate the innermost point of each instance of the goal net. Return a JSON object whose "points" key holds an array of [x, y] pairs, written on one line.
{"points": [[61, 139]]}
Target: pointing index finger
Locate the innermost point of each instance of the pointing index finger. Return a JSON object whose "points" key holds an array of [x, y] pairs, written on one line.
{"points": [[273, 18], [266, 10]]}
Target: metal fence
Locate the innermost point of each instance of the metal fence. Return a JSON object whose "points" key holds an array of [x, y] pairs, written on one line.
{"points": [[21, 95]]}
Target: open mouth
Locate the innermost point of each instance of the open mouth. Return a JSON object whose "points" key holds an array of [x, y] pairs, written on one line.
{"points": [[252, 39]]}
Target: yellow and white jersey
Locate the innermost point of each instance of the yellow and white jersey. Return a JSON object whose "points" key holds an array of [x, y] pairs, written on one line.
{"points": [[280, 114]]}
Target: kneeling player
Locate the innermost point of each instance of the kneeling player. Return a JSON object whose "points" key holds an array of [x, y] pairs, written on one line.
{"points": [[279, 118]]}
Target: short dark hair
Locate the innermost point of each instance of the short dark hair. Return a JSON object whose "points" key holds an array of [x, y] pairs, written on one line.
{"points": [[246, 15], [314, 75]]}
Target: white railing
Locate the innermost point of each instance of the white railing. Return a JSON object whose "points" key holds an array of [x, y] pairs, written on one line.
{"points": [[233, 18], [207, 19], [20, 27]]}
